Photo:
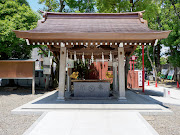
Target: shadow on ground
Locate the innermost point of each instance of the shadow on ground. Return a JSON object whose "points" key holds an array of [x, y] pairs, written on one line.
{"points": [[131, 95], [20, 90]]}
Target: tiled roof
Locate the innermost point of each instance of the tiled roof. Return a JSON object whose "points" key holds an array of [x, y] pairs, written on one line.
{"points": [[93, 26]]}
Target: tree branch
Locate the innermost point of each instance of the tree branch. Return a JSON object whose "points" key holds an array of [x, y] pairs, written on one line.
{"points": [[61, 3], [172, 2], [45, 53]]}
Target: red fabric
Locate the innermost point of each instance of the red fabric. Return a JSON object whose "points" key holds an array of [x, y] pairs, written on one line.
{"points": [[98, 71], [132, 80]]}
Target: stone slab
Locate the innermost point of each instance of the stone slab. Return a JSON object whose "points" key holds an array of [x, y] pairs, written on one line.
{"points": [[91, 123], [91, 89]]}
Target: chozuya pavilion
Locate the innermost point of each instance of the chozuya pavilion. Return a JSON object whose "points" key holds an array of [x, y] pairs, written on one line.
{"points": [[93, 36]]}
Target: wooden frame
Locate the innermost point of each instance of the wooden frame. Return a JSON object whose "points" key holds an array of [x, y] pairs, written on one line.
{"points": [[18, 69]]}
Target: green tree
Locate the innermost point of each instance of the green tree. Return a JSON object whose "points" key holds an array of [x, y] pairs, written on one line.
{"points": [[171, 21], [53, 5], [15, 15], [68, 5], [82, 6], [113, 6], [164, 15], [163, 60]]}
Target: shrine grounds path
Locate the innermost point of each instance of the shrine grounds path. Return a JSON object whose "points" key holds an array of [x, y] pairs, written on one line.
{"points": [[17, 124]]}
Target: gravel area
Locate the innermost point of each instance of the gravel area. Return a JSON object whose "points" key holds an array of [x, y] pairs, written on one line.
{"points": [[15, 124], [166, 125]]}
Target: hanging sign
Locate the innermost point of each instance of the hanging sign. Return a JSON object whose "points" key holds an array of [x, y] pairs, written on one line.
{"points": [[140, 78], [70, 63], [47, 62]]}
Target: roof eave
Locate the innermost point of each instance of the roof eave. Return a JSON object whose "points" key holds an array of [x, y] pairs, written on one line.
{"points": [[92, 36]]}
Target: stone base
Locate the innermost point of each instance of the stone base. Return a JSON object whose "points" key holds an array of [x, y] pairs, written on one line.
{"points": [[122, 99], [60, 99], [91, 89]]}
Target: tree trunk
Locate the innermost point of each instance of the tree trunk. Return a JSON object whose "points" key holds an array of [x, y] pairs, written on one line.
{"points": [[158, 58], [175, 73], [152, 65], [61, 5], [79, 5]]}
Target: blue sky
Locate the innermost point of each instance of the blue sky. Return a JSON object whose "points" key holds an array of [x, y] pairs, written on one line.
{"points": [[34, 5]]}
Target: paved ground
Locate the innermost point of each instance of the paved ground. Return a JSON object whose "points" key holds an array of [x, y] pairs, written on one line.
{"points": [[156, 94], [15, 124], [91, 122]]}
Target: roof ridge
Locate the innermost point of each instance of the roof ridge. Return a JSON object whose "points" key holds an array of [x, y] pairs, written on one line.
{"points": [[58, 15], [92, 13]]}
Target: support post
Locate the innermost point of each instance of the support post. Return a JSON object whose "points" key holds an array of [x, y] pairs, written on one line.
{"points": [[62, 73], [68, 80], [68, 77], [114, 89], [115, 85], [143, 68], [47, 82], [126, 70], [121, 73], [33, 79]]}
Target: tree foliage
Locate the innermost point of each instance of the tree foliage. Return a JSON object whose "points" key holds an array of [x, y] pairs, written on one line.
{"points": [[113, 6], [15, 15], [68, 5], [171, 21], [163, 60], [82, 6]]}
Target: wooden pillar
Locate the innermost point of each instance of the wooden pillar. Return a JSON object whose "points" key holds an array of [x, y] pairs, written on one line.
{"points": [[121, 73], [62, 73]]}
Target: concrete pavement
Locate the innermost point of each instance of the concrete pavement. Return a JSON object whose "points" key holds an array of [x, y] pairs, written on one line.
{"points": [[91, 122], [156, 93]]}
